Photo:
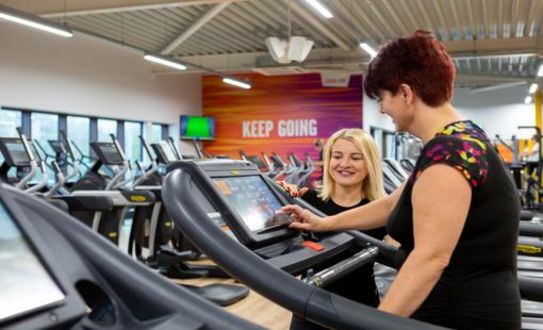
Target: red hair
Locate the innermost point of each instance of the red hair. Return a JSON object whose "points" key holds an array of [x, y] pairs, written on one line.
{"points": [[419, 61]]}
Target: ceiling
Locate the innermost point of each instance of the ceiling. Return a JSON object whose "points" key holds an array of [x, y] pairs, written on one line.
{"points": [[494, 43]]}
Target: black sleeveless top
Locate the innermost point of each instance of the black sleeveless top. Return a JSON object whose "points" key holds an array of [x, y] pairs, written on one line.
{"points": [[360, 284], [479, 289]]}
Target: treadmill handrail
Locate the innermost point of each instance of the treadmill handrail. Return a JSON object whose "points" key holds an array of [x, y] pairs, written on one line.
{"points": [[69, 151], [306, 301], [389, 255]]}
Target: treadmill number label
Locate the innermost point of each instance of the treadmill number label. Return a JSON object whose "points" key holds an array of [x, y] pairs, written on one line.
{"points": [[528, 249], [137, 198]]}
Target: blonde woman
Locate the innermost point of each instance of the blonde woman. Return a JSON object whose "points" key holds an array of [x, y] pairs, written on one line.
{"points": [[352, 177]]}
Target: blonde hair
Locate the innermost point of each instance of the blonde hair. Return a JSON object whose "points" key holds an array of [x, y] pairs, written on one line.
{"points": [[372, 186]]}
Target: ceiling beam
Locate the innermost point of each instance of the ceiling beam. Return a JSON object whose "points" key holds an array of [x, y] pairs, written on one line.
{"points": [[208, 16], [319, 26], [90, 7], [496, 47], [498, 86], [489, 79]]}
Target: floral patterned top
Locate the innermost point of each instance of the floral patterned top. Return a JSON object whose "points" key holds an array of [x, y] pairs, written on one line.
{"points": [[482, 268], [461, 145]]}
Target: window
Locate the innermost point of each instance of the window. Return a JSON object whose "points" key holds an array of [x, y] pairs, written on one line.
{"points": [[44, 128], [78, 131], [389, 145], [105, 128], [132, 143], [9, 120], [156, 135]]}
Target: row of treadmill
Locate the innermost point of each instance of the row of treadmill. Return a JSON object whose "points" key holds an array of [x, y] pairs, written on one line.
{"points": [[63, 268]]}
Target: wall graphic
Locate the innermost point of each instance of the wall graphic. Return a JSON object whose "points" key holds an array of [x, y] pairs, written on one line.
{"points": [[279, 113]]}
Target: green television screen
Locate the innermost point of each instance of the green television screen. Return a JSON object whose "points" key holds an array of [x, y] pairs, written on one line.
{"points": [[197, 128]]}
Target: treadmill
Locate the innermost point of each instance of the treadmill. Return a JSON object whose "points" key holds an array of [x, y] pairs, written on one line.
{"points": [[256, 247], [56, 273], [108, 223]]}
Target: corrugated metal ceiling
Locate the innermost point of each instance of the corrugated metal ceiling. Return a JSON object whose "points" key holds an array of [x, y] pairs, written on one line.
{"points": [[489, 39]]}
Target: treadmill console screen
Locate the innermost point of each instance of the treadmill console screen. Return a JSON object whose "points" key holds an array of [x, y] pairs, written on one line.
{"points": [[26, 284], [56, 146], [170, 157], [253, 200], [17, 152], [108, 153]]}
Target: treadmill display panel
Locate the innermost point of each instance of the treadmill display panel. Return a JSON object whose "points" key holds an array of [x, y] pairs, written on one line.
{"points": [[25, 283], [56, 146], [254, 202], [17, 151], [170, 157], [109, 154]]}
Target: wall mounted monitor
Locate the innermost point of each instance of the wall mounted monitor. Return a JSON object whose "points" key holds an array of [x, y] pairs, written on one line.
{"points": [[14, 152], [26, 283], [107, 153], [197, 128]]}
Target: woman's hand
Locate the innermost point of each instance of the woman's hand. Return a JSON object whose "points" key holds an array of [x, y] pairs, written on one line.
{"points": [[304, 219], [291, 189]]}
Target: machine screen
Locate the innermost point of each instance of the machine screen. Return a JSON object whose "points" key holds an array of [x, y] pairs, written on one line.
{"points": [[253, 200], [110, 153], [17, 152], [25, 284], [56, 146], [170, 157]]}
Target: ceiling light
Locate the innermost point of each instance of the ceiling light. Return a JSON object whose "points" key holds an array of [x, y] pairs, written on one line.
{"points": [[540, 71], [528, 100], [367, 48], [285, 51], [533, 88], [320, 8], [236, 83], [35, 22], [164, 61]]}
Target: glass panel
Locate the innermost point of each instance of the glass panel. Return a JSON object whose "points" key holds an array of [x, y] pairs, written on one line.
{"points": [[9, 120], [132, 143], [78, 131], [390, 145], [105, 128], [44, 128], [156, 135]]}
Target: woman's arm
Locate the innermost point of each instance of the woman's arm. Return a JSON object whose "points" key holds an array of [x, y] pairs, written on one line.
{"points": [[441, 198], [369, 216]]}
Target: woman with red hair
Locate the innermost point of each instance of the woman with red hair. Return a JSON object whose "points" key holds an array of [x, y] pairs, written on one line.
{"points": [[456, 217]]}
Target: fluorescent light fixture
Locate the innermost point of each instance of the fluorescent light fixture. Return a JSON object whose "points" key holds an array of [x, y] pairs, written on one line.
{"points": [[35, 22], [285, 51], [236, 83], [528, 99], [320, 8], [164, 61], [533, 88], [367, 48], [540, 71]]}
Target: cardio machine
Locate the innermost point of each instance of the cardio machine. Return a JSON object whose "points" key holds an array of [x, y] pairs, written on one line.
{"points": [[258, 249], [58, 274]]}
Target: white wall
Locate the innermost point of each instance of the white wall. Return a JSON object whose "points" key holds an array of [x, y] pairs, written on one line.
{"points": [[499, 111], [86, 75], [373, 118]]}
